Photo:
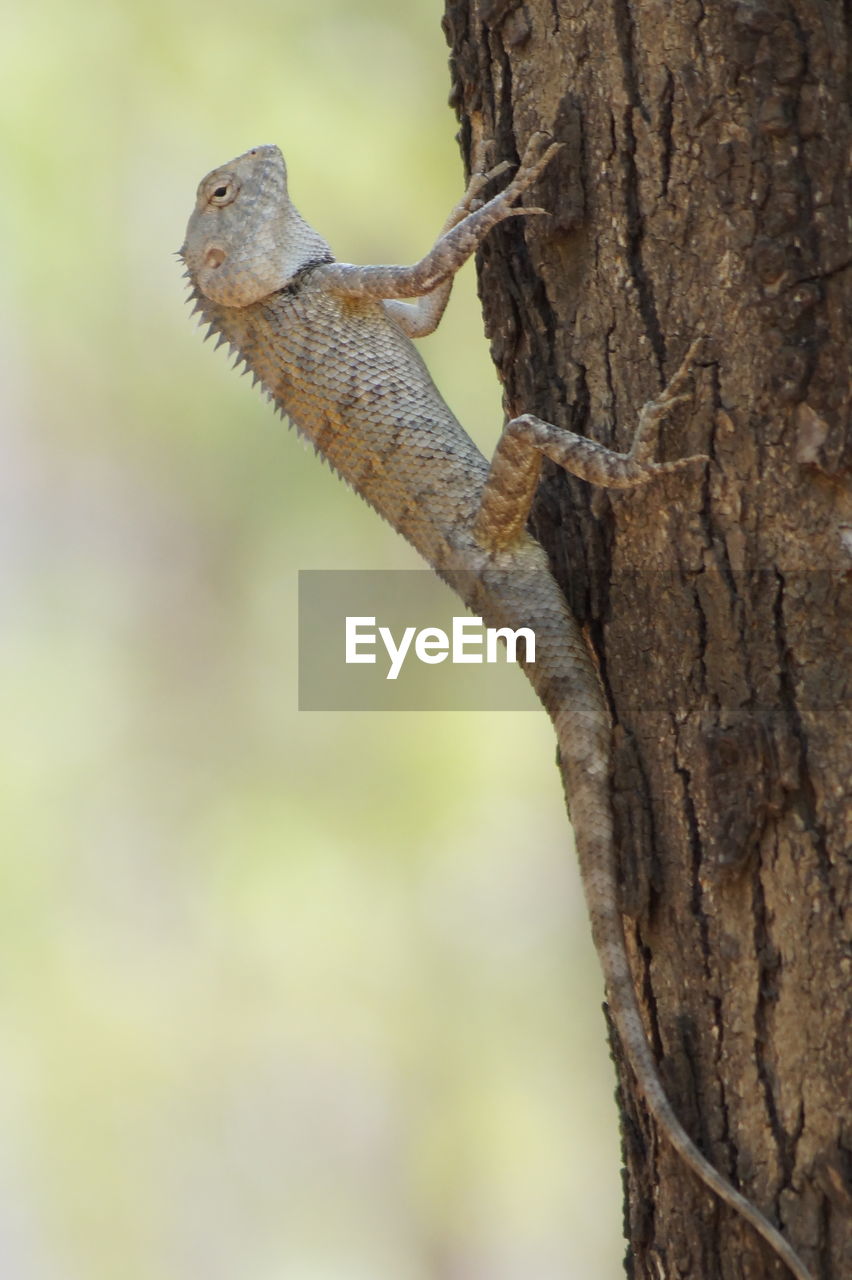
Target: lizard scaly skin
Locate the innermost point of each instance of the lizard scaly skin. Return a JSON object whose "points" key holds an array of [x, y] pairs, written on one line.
{"points": [[330, 343]]}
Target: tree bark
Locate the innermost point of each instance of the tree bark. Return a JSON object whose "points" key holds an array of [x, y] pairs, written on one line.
{"points": [[703, 189]]}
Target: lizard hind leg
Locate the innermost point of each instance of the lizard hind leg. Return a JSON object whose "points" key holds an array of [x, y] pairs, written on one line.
{"points": [[513, 475]]}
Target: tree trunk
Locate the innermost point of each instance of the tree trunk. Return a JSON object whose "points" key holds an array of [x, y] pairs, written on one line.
{"points": [[702, 189]]}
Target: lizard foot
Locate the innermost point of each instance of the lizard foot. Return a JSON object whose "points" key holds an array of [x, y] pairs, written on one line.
{"points": [[539, 152], [652, 414]]}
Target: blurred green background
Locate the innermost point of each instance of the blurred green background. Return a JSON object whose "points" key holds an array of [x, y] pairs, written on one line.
{"points": [[283, 996]]}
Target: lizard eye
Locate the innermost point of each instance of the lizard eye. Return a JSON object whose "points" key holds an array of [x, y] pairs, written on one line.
{"points": [[223, 193]]}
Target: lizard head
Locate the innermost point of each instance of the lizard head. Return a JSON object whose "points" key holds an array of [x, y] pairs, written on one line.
{"points": [[245, 240]]}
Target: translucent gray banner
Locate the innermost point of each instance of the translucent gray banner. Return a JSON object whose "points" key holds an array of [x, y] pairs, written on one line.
{"points": [[400, 640]]}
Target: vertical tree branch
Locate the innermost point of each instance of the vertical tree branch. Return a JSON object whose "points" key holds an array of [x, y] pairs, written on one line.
{"points": [[703, 188]]}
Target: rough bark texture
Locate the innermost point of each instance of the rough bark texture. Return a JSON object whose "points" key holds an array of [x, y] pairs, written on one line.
{"points": [[703, 188]]}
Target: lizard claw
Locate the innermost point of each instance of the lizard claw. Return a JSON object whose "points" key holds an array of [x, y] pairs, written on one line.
{"points": [[479, 180], [497, 171], [681, 374], [540, 149], [539, 152], [664, 403], [527, 210], [653, 413]]}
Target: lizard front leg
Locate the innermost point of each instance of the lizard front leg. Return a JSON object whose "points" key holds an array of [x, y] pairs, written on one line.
{"points": [[419, 318], [452, 249], [516, 464]]}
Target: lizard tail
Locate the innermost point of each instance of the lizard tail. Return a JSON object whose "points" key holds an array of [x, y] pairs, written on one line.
{"points": [[577, 708], [595, 850]]}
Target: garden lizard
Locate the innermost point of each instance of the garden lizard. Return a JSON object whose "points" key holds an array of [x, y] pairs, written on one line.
{"points": [[330, 344]]}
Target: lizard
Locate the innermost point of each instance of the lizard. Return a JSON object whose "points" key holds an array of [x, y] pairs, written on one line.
{"points": [[330, 344]]}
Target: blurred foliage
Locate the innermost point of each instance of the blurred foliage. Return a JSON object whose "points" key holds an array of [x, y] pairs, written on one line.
{"points": [[282, 996]]}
